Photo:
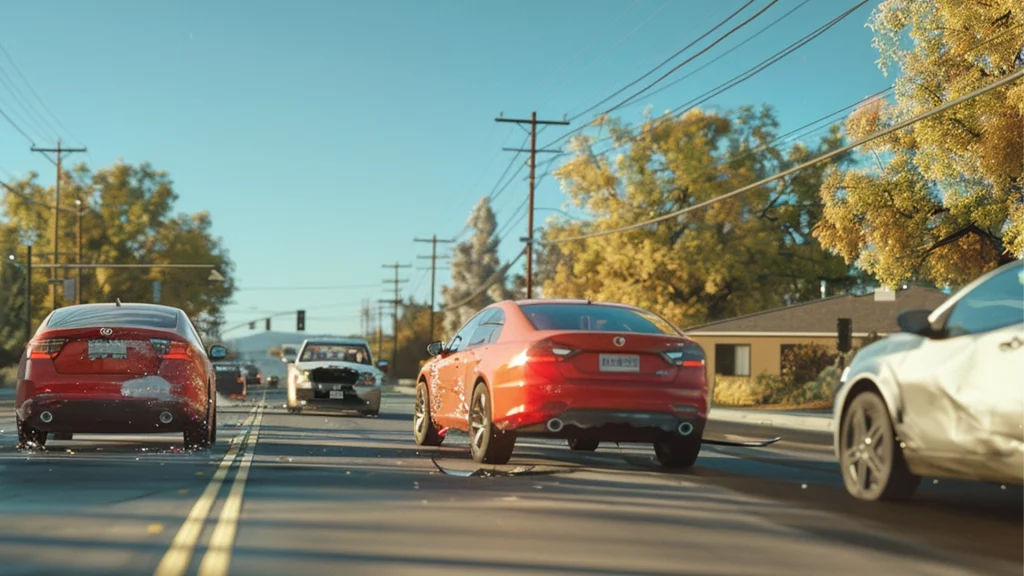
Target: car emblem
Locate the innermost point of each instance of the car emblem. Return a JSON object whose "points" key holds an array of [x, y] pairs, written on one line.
{"points": [[619, 341], [106, 331]]}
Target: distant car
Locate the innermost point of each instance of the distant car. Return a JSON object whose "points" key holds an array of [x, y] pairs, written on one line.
{"points": [[289, 353], [273, 381], [944, 397], [337, 373], [253, 376], [231, 379], [583, 371], [117, 368]]}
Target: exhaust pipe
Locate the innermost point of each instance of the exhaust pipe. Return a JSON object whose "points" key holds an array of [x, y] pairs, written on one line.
{"points": [[166, 417], [685, 428], [46, 417], [555, 425]]}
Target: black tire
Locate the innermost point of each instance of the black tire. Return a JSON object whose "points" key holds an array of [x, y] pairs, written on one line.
{"points": [[423, 429], [487, 444], [213, 420], [29, 437], [870, 458], [200, 436], [583, 445], [678, 453]]}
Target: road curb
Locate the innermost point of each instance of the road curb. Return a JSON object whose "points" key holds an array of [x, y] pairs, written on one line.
{"points": [[801, 422]]}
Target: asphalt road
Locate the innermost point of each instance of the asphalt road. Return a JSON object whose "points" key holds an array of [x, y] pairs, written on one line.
{"points": [[339, 494]]}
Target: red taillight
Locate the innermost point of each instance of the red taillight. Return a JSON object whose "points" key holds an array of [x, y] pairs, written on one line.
{"points": [[687, 355], [172, 350], [547, 351], [46, 349], [240, 380], [693, 363]]}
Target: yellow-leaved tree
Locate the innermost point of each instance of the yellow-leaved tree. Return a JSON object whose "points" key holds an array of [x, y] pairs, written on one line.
{"points": [[745, 254], [943, 200]]}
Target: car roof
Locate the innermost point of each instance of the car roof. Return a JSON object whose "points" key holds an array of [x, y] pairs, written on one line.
{"points": [[126, 306], [336, 340], [548, 301]]}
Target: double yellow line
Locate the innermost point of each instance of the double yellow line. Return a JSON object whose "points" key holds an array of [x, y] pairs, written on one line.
{"points": [[217, 559]]}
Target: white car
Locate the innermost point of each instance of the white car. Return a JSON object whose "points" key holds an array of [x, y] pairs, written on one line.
{"points": [[337, 373], [943, 398]]}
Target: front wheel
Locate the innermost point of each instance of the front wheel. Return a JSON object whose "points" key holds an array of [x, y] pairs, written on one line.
{"points": [[870, 458], [487, 444]]}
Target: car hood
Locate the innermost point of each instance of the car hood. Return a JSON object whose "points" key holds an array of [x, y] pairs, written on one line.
{"points": [[312, 365]]}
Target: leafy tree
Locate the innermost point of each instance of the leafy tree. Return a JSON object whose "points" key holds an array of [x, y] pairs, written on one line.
{"points": [[943, 200], [740, 255], [127, 218], [474, 263]]}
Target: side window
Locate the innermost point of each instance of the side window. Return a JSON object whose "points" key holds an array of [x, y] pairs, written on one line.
{"points": [[489, 329], [461, 340], [997, 303]]}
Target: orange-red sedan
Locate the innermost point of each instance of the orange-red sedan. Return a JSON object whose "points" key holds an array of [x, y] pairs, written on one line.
{"points": [[585, 371]]}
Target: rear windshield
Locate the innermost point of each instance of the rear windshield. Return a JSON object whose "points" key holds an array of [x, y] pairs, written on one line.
{"points": [[596, 318], [120, 316]]}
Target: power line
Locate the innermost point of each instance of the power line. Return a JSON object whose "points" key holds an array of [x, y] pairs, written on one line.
{"points": [[667, 60], [730, 50], [304, 288], [740, 78], [817, 160], [34, 93], [16, 127]]}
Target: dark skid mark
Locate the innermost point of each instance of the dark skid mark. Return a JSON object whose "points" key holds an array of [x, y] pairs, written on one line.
{"points": [[497, 473], [743, 443]]}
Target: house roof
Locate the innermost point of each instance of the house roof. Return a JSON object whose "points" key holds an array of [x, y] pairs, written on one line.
{"points": [[821, 316]]}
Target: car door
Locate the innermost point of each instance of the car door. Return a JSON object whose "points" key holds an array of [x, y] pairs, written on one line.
{"points": [[963, 389], [444, 398], [485, 334]]}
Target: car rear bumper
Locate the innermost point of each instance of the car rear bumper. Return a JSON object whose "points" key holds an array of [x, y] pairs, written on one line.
{"points": [[617, 426], [354, 398], [107, 415]]}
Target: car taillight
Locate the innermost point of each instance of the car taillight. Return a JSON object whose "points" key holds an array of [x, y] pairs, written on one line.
{"points": [[46, 349], [240, 380], [547, 351], [171, 350], [687, 355]]}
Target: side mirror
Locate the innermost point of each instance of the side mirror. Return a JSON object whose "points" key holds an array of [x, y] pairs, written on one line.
{"points": [[218, 352], [435, 348], [382, 365], [916, 322]]}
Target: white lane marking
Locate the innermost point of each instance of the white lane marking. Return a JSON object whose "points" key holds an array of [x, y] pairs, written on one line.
{"points": [[178, 557], [217, 559]]}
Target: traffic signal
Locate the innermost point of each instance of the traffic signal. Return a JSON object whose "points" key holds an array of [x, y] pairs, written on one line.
{"points": [[300, 323], [845, 335], [268, 324]]}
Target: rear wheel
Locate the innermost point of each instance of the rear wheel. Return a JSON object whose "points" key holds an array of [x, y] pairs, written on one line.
{"points": [[487, 444], [677, 453], [581, 445], [202, 435], [870, 459], [423, 429], [29, 437], [213, 419]]}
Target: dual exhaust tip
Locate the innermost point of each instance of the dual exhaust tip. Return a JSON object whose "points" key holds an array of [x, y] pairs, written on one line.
{"points": [[555, 426], [47, 417]]}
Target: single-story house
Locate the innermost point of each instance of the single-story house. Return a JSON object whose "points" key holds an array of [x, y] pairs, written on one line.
{"points": [[753, 344]]}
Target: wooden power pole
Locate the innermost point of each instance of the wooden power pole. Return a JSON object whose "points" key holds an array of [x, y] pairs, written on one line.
{"points": [[433, 274], [533, 122], [56, 213]]}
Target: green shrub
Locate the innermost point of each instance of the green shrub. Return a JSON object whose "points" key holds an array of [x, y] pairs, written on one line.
{"points": [[804, 362], [735, 391], [8, 376]]}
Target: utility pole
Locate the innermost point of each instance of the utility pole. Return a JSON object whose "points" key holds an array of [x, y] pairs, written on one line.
{"points": [[533, 122], [433, 273], [28, 293], [395, 302], [78, 256], [56, 212], [380, 332]]}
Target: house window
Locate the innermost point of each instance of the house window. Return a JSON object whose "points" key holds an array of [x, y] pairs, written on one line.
{"points": [[732, 359]]}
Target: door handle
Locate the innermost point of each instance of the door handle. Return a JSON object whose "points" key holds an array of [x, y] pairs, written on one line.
{"points": [[1013, 344]]}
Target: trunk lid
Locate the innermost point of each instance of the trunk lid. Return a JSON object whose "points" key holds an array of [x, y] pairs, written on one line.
{"points": [[106, 351]]}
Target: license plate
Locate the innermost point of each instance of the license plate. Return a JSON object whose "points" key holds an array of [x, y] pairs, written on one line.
{"points": [[620, 363], [104, 349], [337, 394]]}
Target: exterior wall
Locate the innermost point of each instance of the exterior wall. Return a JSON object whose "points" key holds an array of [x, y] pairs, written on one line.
{"points": [[765, 351]]}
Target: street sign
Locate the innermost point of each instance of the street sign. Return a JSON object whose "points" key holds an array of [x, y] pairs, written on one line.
{"points": [[156, 291], [69, 289]]}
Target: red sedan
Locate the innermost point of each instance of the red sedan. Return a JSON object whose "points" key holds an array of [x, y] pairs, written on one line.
{"points": [[117, 368], [584, 371]]}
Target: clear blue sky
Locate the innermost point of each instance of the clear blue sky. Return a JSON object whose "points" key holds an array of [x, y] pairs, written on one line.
{"points": [[324, 135]]}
